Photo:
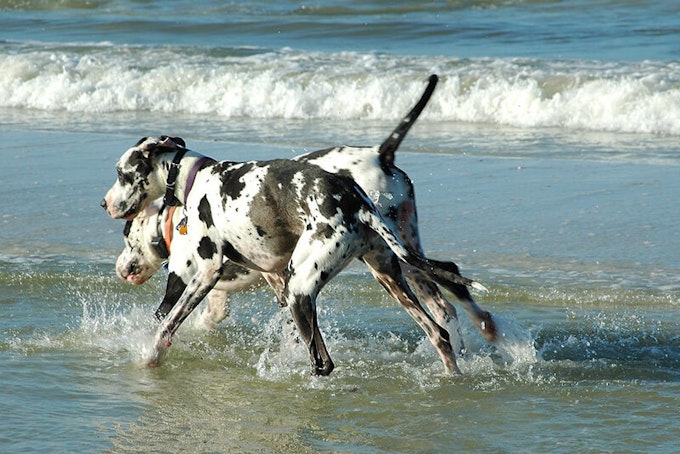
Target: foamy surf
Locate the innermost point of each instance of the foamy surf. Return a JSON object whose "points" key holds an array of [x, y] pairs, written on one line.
{"points": [[640, 97]]}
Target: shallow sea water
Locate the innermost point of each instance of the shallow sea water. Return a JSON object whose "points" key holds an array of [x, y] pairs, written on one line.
{"points": [[584, 292]]}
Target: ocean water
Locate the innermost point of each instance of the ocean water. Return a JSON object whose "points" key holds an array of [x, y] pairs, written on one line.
{"points": [[546, 165]]}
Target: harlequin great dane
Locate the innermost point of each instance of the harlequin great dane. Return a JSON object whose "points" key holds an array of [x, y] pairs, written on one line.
{"points": [[294, 222], [148, 239]]}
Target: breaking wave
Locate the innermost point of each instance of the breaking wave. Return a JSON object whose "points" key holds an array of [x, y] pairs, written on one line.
{"points": [[635, 97]]}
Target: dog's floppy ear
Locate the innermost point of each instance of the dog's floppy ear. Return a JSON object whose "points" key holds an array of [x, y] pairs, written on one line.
{"points": [[148, 146], [179, 141], [172, 142], [151, 146]]}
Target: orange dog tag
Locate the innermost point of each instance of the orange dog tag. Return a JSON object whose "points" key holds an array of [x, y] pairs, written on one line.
{"points": [[182, 226]]}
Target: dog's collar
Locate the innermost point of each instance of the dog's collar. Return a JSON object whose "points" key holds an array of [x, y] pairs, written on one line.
{"points": [[198, 165], [163, 239], [170, 199], [161, 242]]}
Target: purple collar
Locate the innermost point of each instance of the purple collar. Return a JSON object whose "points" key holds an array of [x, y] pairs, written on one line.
{"points": [[192, 175]]}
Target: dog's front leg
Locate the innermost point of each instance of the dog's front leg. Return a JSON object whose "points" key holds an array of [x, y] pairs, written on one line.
{"points": [[173, 291], [301, 288], [303, 310], [197, 289], [216, 310]]}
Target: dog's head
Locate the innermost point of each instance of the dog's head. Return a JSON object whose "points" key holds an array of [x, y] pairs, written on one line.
{"points": [[138, 180], [139, 261]]}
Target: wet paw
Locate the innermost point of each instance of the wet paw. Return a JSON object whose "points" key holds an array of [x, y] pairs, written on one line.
{"points": [[323, 369]]}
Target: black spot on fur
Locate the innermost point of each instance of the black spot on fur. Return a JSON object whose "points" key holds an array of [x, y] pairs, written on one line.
{"points": [[345, 173], [230, 177], [140, 163], [324, 231], [350, 194], [205, 212], [329, 206], [174, 289], [231, 253], [206, 248]]}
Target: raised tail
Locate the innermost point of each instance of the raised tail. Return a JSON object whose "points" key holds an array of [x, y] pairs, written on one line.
{"points": [[445, 274], [390, 145]]}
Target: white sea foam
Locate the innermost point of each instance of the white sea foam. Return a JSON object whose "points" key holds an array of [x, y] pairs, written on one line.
{"points": [[642, 97]]}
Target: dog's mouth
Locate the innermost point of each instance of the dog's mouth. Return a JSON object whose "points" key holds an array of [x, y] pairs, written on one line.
{"points": [[133, 278], [112, 211], [129, 214], [132, 274], [136, 279]]}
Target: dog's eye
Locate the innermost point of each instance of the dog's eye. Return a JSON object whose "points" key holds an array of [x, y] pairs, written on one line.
{"points": [[123, 178]]}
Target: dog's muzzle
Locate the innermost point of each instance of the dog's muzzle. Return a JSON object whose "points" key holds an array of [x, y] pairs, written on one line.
{"points": [[128, 215]]}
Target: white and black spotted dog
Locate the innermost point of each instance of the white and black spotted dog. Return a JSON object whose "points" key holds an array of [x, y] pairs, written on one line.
{"points": [[149, 237], [294, 222]]}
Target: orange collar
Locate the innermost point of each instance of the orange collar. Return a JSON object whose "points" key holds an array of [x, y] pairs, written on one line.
{"points": [[168, 228]]}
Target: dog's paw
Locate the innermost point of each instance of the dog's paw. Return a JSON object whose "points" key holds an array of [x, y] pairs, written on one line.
{"points": [[154, 359], [158, 350]]}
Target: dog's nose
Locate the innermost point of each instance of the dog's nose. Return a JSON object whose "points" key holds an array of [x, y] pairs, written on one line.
{"points": [[132, 269], [103, 203]]}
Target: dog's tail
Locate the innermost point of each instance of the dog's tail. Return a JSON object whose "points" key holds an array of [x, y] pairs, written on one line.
{"points": [[390, 145], [443, 273]]}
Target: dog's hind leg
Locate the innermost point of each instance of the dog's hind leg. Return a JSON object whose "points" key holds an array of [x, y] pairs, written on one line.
{"points": [[302, 287], [386, 269], [482, 319], [443, 312], [404, 221], [443, 273], [277, 283]]}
